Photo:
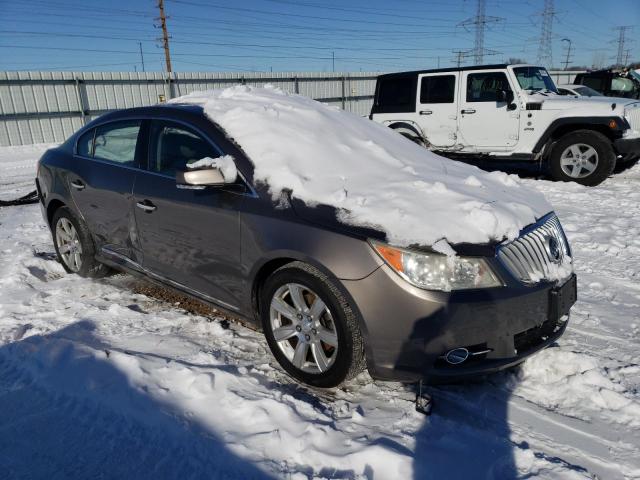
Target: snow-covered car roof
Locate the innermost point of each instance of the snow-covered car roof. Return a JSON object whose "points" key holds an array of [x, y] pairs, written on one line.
{"points": [[371, 174]]}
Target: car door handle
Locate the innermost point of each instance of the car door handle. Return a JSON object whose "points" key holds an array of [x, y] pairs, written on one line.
{"points": [[425, 112], [146, 205], [78, 185], [468, 110]]}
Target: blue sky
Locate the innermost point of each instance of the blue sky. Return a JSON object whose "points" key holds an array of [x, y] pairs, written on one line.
{"points": [[305, 35]]}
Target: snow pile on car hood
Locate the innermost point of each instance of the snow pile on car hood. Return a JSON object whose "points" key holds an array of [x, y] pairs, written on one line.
{"points": [[374, 176]]}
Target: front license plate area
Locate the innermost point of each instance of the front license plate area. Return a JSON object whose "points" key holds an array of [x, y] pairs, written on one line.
{"points": [[562, 298]]}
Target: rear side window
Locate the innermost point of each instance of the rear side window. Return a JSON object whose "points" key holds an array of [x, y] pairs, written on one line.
{"points": [[85, 144], [597, 83], [174, 146], [483, 87], [116, 142], [438, 89], [396, 92]]}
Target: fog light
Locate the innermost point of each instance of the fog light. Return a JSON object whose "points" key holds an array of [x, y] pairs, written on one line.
{"points": [[456, 356]]}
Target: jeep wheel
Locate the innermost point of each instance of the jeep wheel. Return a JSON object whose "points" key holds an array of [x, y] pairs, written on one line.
{"points": [[584, 156], [415, 139]]}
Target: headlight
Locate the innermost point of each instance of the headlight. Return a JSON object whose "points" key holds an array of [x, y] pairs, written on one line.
{"points": [[434, 271]]}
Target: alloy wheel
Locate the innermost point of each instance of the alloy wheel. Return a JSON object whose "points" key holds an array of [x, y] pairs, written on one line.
{"points": [[69, 245], [579, 160], [303, 328]]}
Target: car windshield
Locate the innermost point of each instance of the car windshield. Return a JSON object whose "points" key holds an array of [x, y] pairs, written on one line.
{"points": [[534, 78], [587, 92]]}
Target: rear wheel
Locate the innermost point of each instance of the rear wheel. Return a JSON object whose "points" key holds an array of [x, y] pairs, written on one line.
{"points": [[74, 245], [584, 156], [310, 327]]}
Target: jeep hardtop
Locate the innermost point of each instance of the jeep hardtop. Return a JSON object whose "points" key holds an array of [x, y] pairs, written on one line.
{"points": [[510, 113]]}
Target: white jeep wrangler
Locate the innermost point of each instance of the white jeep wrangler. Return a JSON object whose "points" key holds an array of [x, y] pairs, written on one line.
{"points": [[511, 113]]}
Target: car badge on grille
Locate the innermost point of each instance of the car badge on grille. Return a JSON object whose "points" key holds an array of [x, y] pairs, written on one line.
{"points": [[553, 249]]}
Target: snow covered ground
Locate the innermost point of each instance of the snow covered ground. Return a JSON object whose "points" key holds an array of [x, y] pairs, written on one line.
{"points": [[98, 381]]}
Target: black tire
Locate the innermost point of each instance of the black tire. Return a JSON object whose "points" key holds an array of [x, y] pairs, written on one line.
{"points": [[89, 266], [350, 360], [596, 140]]}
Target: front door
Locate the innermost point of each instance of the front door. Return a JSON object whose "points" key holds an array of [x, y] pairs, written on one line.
{"points": [[485, 121], [101, 183], [191, 237], [437, 109]]}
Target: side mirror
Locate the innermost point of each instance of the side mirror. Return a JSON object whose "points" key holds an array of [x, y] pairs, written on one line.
{"points": [[198, 179], [504, 96]]}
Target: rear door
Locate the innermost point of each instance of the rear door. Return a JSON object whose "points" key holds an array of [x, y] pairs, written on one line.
{"points": [[106, 161], [485, 122], [188, 236], [437, 108]]}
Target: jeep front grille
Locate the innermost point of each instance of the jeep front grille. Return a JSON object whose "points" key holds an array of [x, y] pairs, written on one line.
{"points": [[540, 253], [632, 114]]}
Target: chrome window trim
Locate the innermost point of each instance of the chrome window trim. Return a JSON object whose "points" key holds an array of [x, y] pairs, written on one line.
{"points": [[251, 191]]}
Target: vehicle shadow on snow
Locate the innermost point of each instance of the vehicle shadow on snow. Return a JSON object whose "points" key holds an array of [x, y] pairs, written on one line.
{"points": [[68, 411], [467, 434]]}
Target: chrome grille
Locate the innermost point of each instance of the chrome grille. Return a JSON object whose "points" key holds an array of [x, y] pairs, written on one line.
{"points": [[632, 114], [541, 253]]}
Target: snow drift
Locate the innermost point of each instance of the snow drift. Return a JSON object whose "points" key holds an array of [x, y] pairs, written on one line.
{"points": [[375, 177]]}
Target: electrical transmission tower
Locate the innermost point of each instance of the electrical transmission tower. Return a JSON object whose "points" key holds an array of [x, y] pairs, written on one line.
{"points": [[622, 40], [479, 23], [459, 59], [545, 54]]}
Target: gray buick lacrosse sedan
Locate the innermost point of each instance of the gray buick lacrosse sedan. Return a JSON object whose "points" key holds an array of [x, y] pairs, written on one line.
{"points": [[347, 245]]}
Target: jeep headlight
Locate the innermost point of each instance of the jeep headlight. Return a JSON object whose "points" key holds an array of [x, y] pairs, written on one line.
{"points": [[434, 271]]}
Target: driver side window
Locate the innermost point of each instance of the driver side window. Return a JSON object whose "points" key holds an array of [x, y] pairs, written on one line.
{"points": [[483, 87], [173, 146]]}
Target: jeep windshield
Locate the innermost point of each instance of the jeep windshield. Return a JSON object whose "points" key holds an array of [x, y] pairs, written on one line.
{"points": [[535, 79]]}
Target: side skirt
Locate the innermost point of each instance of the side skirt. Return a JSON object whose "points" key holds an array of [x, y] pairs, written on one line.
{"points": [[126, 265]]}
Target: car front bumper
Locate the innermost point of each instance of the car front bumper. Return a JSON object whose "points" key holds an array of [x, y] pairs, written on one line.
{"points": [[408, 330], [628, 148]]}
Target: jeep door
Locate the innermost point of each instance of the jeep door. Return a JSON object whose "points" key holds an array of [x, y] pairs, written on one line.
{"points": [[190, 236], [437, 110], [106, 161], [486, 120]]}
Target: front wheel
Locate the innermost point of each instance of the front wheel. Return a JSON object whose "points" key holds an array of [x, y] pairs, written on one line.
{"points": [[310, 327], [584, 157]]}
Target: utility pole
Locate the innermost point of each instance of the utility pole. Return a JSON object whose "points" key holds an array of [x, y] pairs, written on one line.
{"points": [[141, 55], [333, 61], [165, 35], [622, 40], [567, 59], [545, 54], [479, 23]]}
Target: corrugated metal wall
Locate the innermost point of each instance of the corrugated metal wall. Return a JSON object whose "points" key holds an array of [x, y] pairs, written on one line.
{"points": [[38, 107]]}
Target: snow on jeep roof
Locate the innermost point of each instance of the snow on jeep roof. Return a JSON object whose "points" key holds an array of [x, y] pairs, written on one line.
{"points": [[373, 175]]}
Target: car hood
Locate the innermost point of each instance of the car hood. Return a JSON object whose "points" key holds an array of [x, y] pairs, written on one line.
{"points": [[370, 176], [597, 105]]}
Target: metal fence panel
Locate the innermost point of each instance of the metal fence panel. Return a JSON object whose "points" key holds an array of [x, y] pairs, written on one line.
{"points": [[40, 107]]}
